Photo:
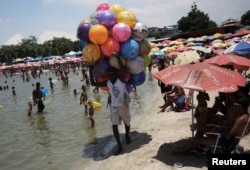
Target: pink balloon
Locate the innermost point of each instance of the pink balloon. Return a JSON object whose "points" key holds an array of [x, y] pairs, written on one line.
{"points": [[121, 32], [109, 46], [103, 6]]}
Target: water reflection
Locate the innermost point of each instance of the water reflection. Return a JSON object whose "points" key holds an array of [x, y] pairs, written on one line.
{"points": [[41, 130]]}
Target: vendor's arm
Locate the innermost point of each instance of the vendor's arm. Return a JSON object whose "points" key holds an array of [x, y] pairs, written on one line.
{"points": [[122, 67]]}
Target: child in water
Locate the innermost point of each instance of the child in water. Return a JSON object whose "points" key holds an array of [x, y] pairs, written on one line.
{"points": [[51, 84], [91, 112], [75, 92], [13, 91], [29, 108]]}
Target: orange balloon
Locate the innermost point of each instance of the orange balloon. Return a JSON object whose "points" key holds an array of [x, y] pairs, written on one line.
{"points": [[98, 34], [109, 46], [91, 53]]}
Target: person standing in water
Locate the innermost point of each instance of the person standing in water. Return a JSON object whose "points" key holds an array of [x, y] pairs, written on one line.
{"points": [[91, 113], [38, 97], [29, 108], [51, 84], [84, 99]]}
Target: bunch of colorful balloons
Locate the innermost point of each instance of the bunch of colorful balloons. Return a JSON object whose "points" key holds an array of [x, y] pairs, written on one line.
{"points": [[113, 28]]}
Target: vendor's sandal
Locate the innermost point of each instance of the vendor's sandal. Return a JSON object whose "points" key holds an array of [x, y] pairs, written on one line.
{"points": [[128, 140], [119, 150]]}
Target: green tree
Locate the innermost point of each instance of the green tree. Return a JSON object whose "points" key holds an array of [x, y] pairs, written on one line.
{"points": [[195, 20], [30, 47], [245, 18]]}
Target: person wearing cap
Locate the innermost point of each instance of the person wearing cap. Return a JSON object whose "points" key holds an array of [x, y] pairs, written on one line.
{"points": [[119, 108]]}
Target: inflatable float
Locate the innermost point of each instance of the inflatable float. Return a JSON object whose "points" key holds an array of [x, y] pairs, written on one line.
{"points": [[96, 105], [45, 91]]}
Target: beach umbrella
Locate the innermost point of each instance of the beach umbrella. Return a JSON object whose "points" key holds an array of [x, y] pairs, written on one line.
{"points": [[218, 51], [165, 42], [203, 49], [201, 77], [219, 45], [242, 47], [186, 57], [173, 53], [3, 67], [241, 32], [217, 35], [158, 53], [238, 62]]}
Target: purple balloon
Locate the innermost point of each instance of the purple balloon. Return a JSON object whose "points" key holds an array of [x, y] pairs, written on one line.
{"points": [[128, 87], [101, 68], [107, 18], [83, 31]]}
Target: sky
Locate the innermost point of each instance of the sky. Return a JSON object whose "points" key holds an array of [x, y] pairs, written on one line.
{"points": [[46, 19]]}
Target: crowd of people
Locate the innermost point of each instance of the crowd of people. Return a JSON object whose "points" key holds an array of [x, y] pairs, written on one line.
{"points": [[230, 111], [118, 99]]}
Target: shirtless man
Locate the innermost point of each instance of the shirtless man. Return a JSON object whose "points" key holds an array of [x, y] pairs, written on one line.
{"points": [[37, 96], [84, 98]]}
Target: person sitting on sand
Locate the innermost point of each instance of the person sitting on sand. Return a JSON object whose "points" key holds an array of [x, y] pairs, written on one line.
{"points": [[172, 99], [228, 135], [201, 111]]}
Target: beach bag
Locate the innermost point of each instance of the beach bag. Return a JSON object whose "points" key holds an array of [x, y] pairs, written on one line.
{"points": [[180, 101]]}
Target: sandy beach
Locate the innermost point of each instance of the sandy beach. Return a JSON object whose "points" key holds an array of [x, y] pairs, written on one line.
{"points": [[154, 136]]}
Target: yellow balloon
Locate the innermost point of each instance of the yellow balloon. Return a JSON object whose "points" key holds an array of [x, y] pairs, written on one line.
{"points": [[127, 17], [98, 34], [91, 53], [147, 60], [116, 9]]}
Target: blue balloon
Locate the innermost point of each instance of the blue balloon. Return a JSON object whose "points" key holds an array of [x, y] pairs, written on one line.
{"points": [[137, 79], [45, 91], [129, 49], [82, 43]]}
